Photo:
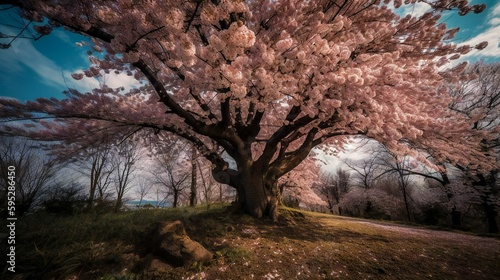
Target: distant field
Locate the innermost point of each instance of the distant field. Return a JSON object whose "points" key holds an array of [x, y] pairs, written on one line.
{"points": [[132, 204], [302, 245]]}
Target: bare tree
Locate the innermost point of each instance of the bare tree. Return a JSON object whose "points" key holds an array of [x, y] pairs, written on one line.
{"points": [[124, 160], [333, 186], [173, 178], [143, 189], [174, 168], [381, 162], [206, 181], [34, 171], [479, 100], [368, 169], [160, 197], [96, 164], [397, 168]]}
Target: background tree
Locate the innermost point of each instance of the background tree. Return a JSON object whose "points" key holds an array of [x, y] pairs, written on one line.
{"points": [[34, 169], [262, 82], [95, 164], [143, 188], [479, 99], [296, 188], [124, 160], [397, 169], [207, 183], [366, 170], [210, 190], [333, 187], [193, 189], [172, 171], [65, 197]]}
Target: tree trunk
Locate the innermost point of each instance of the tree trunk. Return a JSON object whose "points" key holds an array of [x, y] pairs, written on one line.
{"points": [[257, 195], [456, 217], [176, 199], [407, 204], [93, 184], [193, 194], [118, 204], [491, 216]]}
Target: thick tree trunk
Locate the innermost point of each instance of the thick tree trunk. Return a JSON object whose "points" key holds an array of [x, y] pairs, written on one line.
{"points": [[257, 195], [256, 180], [261, 197]]}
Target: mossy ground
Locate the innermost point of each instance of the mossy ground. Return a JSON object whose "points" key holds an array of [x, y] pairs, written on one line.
{"points": [[301, 245]]}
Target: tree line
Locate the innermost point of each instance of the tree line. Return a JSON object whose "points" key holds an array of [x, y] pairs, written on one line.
{"points": [[103, 179]]}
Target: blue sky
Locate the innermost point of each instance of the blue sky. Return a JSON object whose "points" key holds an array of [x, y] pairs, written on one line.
{"points": [[42, 68]]}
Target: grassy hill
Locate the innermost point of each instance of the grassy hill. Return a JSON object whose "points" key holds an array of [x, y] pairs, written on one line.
{"points": [[302, 245]]}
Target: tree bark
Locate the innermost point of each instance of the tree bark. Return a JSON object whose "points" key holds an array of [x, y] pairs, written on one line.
{"points": [[176, 199], [257, 194], [193, 194]]}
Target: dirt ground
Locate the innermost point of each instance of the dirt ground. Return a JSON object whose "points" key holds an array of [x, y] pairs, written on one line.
{"points": [[316, 246]]}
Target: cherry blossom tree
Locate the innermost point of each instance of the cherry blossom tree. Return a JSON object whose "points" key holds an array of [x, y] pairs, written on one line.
{"points": [[297, 186], [258, 83]]}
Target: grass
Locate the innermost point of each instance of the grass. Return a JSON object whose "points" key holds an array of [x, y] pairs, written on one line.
{"points": [[302, 245]]}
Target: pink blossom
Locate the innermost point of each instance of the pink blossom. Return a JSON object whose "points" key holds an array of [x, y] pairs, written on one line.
{"points": [[241, 36], [345, 54], [284, 44]]}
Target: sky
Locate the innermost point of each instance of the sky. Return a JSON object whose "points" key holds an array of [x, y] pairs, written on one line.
{"points": [[32, 69]]}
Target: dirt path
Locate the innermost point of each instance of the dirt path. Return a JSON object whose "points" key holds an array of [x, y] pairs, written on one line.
{"points": [[452, 237]]}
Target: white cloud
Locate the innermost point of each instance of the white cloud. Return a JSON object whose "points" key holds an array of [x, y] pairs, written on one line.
{"points": [[83, 85], [496, 10], [491, 35], [416, 10], [112, 80], [121, 80], [495, 21], [25, 54], [493, 18]]}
